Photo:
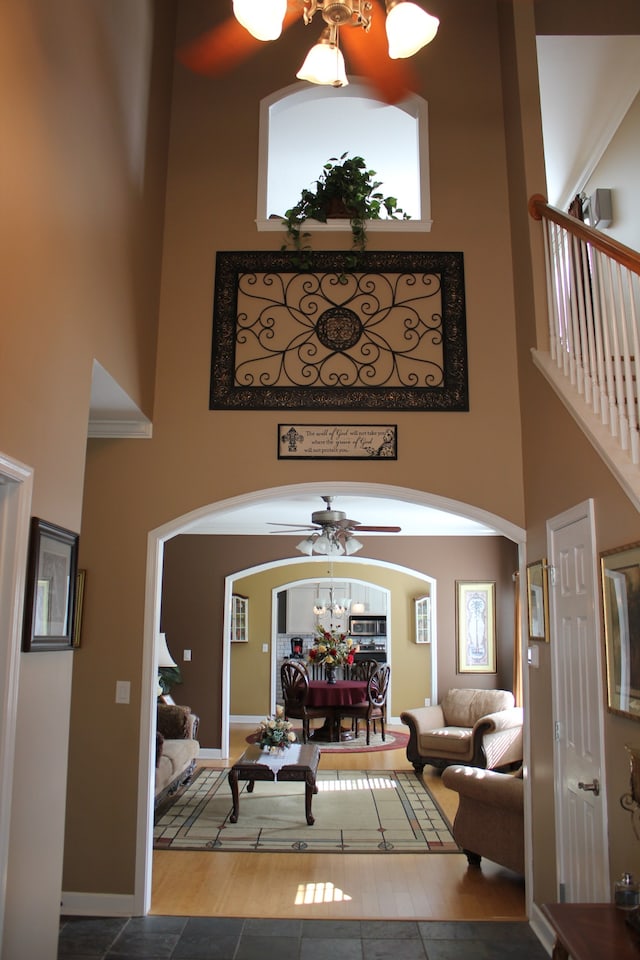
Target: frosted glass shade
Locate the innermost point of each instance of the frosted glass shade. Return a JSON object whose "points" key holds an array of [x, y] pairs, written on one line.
{"points": [[262, 18], [409, 28], [324, 64]]}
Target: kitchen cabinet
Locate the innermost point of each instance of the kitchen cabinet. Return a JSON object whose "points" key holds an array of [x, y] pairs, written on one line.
{"points": [[239, 619]]}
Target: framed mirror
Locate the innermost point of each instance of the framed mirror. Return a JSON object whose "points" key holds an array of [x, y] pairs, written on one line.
{"points": [[50, 596]]}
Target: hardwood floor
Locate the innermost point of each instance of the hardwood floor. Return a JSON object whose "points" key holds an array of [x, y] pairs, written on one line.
{"points": [[344, 886]]}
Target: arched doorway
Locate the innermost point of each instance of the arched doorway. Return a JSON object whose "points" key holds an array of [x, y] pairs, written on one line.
{"points": [[155, 553]]}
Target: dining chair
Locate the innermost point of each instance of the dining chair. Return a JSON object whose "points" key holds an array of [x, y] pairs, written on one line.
{"points": [[375, 706], [295, 690]]}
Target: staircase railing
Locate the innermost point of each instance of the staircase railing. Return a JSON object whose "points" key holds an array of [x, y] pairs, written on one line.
{"points": [[593, 292]]}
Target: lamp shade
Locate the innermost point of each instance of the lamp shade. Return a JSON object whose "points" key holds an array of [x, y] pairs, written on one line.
{"points": [[262, 18], [409, 28], [324, 64], [164, 657]]}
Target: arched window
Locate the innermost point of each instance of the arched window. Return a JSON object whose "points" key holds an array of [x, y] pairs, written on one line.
{"points": [[304, 125]]}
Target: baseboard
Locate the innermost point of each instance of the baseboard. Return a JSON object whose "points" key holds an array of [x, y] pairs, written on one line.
{"points": [[96, 904], [542, 929], [210, 753]]}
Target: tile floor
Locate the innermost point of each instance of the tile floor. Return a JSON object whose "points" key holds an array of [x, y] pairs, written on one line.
{"points": [[217, 938]]}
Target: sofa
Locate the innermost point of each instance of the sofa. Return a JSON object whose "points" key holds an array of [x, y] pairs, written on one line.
{"points": [[176, 749], [481, 728], [490, 818]]}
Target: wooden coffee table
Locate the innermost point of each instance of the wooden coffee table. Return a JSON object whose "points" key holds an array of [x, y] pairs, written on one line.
{"points": [[591, 931], [299, 764]]}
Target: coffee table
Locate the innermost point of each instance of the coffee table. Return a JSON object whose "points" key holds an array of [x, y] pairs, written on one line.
{"points": [[298, 764]]}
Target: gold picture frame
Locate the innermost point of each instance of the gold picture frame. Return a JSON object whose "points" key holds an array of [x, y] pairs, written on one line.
{"points": [[538, 600], [476, 626], [620, 569]]}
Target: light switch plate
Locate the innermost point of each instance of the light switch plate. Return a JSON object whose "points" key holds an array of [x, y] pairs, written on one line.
{"points": [[123, 691]]}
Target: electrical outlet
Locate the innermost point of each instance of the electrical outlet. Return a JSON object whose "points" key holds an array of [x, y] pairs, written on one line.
{"points": [[427, 701], [265, 648], [186, 655]]}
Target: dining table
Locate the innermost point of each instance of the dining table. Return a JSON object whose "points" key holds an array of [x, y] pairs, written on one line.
{"points": [[334, 696]]}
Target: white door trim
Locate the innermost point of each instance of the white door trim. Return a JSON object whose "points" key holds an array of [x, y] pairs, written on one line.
{"points": [[16, 489]]}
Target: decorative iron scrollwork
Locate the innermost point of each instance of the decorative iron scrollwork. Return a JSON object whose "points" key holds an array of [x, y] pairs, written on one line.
{"points": [[390, 335]]}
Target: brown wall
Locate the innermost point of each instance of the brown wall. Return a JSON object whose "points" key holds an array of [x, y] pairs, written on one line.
{"points": [[79, 280]]}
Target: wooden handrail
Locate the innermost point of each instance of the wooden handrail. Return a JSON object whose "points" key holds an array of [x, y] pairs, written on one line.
{"points": [[629, 258]]}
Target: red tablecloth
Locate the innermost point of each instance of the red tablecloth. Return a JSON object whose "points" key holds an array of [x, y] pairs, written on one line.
{"points": [[339, 694]]}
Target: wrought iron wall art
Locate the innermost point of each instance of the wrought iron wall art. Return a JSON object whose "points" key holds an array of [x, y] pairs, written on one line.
{"points": [[389, 336]]}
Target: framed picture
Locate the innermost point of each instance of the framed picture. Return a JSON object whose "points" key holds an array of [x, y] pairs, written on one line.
{"points": [[620, 570], [476, 626], [389, 335], [538, 600], [51, 588]]}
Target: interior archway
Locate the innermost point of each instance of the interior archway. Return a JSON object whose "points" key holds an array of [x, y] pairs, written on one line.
{"points": [[189, 523]]}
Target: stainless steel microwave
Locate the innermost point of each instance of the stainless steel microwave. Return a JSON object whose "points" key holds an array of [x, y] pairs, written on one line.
{"points": [[368, 626]]}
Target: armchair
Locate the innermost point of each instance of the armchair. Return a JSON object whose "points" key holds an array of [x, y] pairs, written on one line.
{"points": [[479, 728], [490, 818]]}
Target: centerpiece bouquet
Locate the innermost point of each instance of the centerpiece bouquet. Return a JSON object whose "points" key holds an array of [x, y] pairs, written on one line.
{"points": [[275, 733], [332, 648]]}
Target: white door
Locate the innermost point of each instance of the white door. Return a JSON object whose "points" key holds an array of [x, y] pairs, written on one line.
{"points": [[580, 808]]}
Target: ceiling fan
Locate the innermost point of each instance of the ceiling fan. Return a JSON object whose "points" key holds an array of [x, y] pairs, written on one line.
{"points": [[332, 532], [357, 24]]}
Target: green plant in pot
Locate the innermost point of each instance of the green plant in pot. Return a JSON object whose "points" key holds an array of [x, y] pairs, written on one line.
{"points": [[345, 189]]}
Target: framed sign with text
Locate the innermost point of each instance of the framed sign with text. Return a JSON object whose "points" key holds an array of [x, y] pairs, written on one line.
{"points": [[337, 441]]}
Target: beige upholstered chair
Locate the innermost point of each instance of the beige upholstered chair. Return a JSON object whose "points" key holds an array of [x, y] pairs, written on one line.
{"points": [[490, 818], [481, 728]]}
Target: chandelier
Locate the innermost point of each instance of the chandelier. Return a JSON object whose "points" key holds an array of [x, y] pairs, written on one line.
{"points": [[334, 607], [408, 27]]}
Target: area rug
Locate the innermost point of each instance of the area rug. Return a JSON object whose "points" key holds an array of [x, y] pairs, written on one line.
{"points": [[356, 811], [392, 741]]}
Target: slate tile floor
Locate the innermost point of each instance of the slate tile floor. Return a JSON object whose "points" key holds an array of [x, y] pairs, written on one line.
{"points": [[217, 938]]}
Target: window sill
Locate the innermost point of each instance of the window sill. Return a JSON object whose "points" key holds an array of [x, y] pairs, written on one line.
{"points": [[275, 224]]}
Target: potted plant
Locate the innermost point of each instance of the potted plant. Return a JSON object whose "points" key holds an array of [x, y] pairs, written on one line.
{"points": [[344, 189]]}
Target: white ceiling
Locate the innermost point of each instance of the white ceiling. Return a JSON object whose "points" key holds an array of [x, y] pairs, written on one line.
{"points": [[587, 85], [297, 505]]}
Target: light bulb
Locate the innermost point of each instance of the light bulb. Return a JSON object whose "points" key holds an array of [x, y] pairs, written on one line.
{"points": [[409, 28], [262, 18]]}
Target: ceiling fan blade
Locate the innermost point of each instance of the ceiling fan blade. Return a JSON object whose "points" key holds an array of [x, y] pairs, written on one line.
{"points": [[225, 46], [368, 56], [298, 526], [362, 527]]}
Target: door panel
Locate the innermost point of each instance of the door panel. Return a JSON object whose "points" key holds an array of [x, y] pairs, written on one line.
{"points": [[582, 853]]}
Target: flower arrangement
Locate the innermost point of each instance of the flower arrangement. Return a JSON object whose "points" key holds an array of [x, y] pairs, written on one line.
{"points": [[276, 732], [332, 647]]}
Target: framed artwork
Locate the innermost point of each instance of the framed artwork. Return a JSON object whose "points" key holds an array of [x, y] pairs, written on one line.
{"points": [[390, 335], [620, 570], [538, 600], [51, 588], [476, 626]]}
